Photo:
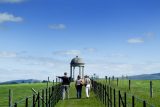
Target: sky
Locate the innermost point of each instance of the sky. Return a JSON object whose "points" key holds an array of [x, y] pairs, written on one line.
{"points": [[38, 38]]}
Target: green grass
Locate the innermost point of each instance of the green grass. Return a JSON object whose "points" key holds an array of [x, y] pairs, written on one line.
{"points": [[19, 91], [83, 102], [140, 89]]}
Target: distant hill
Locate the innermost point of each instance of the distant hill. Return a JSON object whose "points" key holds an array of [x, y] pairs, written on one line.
{"points": [[21, 81], [155, 76]]}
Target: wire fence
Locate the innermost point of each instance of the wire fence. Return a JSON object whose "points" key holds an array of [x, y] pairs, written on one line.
{"points": [[15, 94], [47, 97], [113, 97]]}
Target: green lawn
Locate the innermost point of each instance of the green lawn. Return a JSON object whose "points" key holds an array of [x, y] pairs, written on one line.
{"points": [[20, 91], [139, 88], [83, 102]]}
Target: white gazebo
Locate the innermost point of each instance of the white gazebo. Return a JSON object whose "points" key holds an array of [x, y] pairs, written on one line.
{"points": [[76, 62]]}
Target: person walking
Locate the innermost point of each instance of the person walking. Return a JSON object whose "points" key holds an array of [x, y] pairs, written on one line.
{"points": [[87, 83], [65, 85], [78, 85]]}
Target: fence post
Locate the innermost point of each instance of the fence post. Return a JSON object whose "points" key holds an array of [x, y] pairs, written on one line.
{"points": [[15, 105], [48, 82], [114, 93], [133, 101], [117, 81], [151, 89], [38, 99], [49, 97], [125, 99], [119, 95], [43, 98], [106, 78], [46, 97], [34, 100], [105, 96], [110, 97], [109, 80], [144, 103], [27, 102], [129, 84], [10, 98]]}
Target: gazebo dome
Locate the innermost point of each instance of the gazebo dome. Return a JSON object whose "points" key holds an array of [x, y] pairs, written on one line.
{"points": [[77, 61]]}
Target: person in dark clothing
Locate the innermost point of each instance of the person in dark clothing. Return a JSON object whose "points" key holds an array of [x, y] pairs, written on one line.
{"points": [[65, 85], [78, 85]]}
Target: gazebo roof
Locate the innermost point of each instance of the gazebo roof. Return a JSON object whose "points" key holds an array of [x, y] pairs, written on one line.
{"points": [[77, 62]]}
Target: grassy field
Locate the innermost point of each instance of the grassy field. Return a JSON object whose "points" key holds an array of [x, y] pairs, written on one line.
{"points": [[19, 91], [139, 88]]}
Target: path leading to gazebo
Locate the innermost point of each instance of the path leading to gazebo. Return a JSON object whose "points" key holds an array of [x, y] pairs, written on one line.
{"points": [[83, 102]]}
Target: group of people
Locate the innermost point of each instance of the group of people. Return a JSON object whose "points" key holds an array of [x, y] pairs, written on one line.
{"points": [[83, 82], [79, 83]]}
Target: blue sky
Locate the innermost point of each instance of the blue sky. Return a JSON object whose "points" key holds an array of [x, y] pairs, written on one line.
{"points": [[114, 37]]}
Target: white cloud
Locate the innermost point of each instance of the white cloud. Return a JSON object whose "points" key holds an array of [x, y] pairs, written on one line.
{"points": [[7, 54], [57, 26], [6, 17], [135, 40], [68, 52], [11, 1]]}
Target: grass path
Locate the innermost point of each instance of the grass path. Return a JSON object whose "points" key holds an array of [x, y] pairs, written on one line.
{"points": [[83, 102]]}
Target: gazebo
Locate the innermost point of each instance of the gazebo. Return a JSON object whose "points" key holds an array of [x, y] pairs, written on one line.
{"points": [[76, 62]]}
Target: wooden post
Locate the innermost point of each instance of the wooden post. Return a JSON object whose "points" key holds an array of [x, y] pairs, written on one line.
{"points": [[48, 83], [27, 102], [133, 101], [106, 78], [34, 101], [38, 99], [117, 81], [46, 97], [109, 80], [49, 97], [119, 100], [105, 96], [10, 98], [110, 96], [151, 89], [144, 103], [129, 84], [114, 93], [43, 98], [15, 105], [125, 99]]}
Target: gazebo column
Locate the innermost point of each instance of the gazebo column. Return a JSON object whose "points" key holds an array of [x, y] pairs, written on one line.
{"points": [[71, 72], [82, 71]]}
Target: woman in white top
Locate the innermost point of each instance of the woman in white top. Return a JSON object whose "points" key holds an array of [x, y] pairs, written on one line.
{"points": [[87, 82]]}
